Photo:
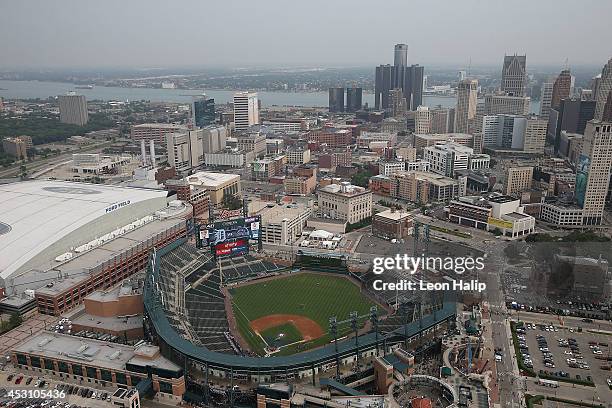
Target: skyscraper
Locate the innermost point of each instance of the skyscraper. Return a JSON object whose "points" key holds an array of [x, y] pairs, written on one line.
{"points": [[246, 110], [467, 97], [561, 88], [546, 98], [353, 99], [336, 99], [400, 75], [400, 57], [413, 86], [604, 87], [593, 171], [422, 120], [607, 113], [382, 85], [525, 134], [514, 75], [202, 111], [73, 109], [497, 104], [571, 116]]}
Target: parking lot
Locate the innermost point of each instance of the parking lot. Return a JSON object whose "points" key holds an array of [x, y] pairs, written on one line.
{"points": [[566, 353], [42, 392]]}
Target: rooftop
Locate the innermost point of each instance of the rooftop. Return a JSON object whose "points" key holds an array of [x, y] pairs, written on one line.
{"points": [[75, 270], [97, 353], [160, 125], [54, 209], [212, 180], [347, 190], [393, 215], [276, 214]]}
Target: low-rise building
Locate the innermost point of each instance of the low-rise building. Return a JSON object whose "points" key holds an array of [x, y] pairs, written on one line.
{"points": [[345, 202], [218, 185], [117, 311], [16, 147], [97, 164], [282, 224], [386, 168], [266, 168], [99, 362], [392, 224], [155, 131], [497, 212], [561, 214], [298, 156]]}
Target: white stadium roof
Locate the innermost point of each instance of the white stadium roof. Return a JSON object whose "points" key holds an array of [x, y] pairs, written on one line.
{"points": [[36, 214]]}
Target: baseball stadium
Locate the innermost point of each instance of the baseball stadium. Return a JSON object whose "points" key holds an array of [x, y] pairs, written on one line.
{"points": [[250, 319]]}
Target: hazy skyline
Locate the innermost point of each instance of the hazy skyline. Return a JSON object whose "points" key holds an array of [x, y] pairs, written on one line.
{"points": [[72, 33]]}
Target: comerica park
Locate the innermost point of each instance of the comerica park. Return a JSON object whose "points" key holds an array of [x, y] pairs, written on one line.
{"points": [[311, 204]]}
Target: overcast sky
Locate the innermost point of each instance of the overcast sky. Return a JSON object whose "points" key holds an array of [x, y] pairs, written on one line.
{"points": [[154, 33]]}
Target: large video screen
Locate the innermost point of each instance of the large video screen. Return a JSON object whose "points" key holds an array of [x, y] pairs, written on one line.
{"points": [[244, 228]]}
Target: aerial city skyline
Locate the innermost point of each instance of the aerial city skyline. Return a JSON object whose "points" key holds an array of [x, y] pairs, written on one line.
{"points": [[303, 205]]}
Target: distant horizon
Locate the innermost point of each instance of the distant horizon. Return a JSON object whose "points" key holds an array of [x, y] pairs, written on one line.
{"points": [[229, 68], [318, 33]]}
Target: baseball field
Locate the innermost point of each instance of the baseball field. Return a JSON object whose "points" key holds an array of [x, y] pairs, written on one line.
{"points": [[291, 314]]}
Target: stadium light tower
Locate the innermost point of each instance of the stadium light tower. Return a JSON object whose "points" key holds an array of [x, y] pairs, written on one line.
{"points": [[354, 317], [404, 311], [333, 328], [374, 320]]}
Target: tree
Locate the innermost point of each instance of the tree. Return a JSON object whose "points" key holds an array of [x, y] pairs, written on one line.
{"points": [[232, 202], [15, 320], [23, 169]]}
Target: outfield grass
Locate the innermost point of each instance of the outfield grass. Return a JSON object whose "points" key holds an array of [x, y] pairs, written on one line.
{"points": [[290, 334], [312, 295]]}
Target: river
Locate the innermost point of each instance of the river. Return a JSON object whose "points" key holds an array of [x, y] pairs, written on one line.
{"points": [[44, 89]]}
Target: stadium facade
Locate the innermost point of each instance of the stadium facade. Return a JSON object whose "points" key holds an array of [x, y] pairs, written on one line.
{"points": [[60, 241]]}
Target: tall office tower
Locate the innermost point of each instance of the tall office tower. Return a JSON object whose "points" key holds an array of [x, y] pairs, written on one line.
{"points": [[353, 99], [593, 171], [422, 120], [413, 86], [603, 89], [382, 85], [514, 75], [1, 105], [525, 134], [246, 110], [546, 98], [73, 109], [535, 135], [462, 75], [396, 103], [497, 104], [595, 84], [467, 97], [336, 99], [399, 75], [607, 112], [571, 116], [400, 56], [441, 119], [561, 88], [202, 111]]}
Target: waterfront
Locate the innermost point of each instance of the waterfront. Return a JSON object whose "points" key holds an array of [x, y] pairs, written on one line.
{"points": [[43, 89]]}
